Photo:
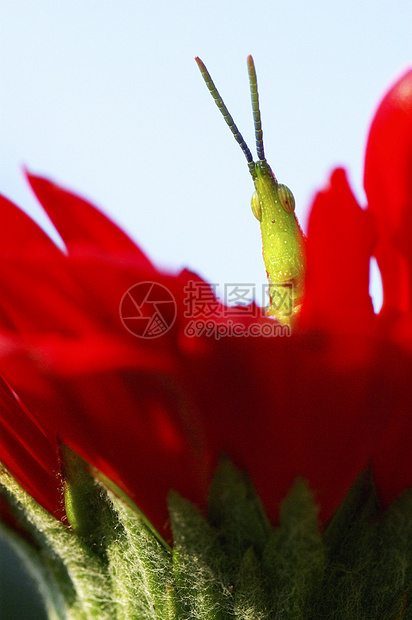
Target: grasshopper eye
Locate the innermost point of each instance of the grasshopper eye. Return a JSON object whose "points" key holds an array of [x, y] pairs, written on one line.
{"points": [[286, 198], [256, 208]]}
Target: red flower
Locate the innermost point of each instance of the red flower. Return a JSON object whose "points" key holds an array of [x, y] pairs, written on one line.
{"points": [[155, 414]]}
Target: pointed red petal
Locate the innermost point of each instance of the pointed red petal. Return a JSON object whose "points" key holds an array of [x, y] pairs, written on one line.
{"points": [[339, 245], [19, 234], [37, 292], [81, 225], [388, 184]]}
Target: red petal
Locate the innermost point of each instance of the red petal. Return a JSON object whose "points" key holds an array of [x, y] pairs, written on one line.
{"points": [[388, 184], [19, 234], [339, 246], [279, 409], [39, 296], [43, 486], [81, 225], [392, 462], [136, 427], [15, 419], [34, 275], [26, 452]]}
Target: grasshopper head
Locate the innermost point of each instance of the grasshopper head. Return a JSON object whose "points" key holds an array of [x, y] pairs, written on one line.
{"points": [[267, 185]]}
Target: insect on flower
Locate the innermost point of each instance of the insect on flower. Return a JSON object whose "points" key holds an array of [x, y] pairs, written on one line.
{"points": [[273, 205]]}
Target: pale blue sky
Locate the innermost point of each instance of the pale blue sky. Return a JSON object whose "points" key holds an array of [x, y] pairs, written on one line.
{"points": [[105, 98]]}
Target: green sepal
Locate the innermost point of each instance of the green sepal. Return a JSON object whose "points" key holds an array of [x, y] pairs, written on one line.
{"points": [[115, 565], [138, 560], [79, 574], [294, 558], [251, 599], [369, 552], [49, 589], [140, 567], [88, 511], [394, 549], [236, 511], [121, 495], [199, 564]]}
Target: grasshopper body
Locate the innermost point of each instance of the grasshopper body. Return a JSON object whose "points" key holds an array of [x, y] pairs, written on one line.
{"points": [[273, 205]]}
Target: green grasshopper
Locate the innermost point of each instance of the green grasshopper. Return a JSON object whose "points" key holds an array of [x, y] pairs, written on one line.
{"points": [[273, 205]]}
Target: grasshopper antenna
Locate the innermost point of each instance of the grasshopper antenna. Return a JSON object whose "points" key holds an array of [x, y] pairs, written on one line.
{"points": [[225, 112], [255, 109]]}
